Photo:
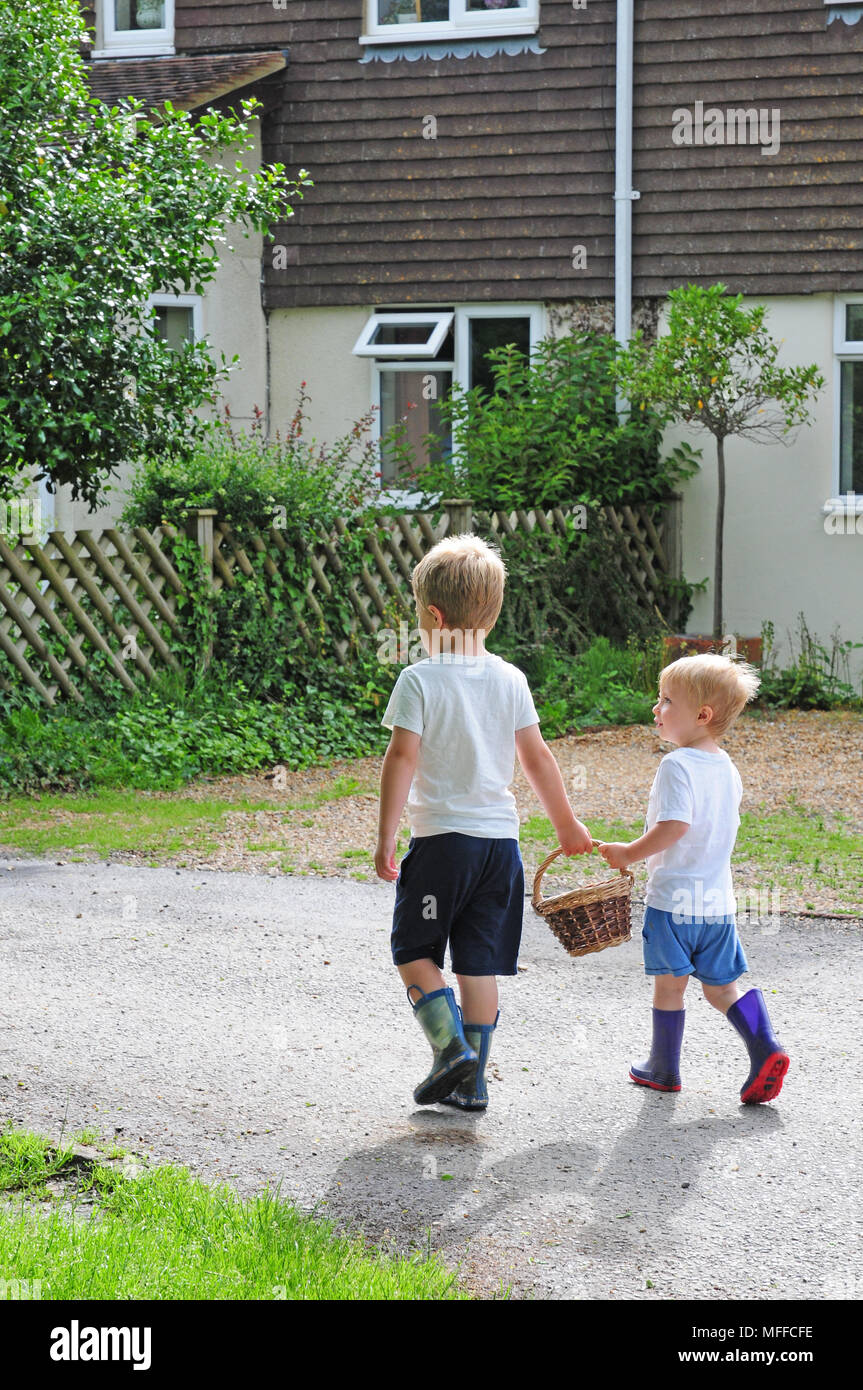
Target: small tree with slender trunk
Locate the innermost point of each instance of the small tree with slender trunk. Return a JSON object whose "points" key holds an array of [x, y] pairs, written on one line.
{"points": [[716, 369]]}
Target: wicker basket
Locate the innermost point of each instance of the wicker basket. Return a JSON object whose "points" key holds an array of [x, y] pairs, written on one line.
{"points": [[587, 919]]}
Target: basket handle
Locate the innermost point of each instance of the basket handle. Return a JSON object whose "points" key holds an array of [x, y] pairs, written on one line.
{"points": [[537, 895]]}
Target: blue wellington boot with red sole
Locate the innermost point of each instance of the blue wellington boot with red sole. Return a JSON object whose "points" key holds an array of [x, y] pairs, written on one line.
{"points": [[769, 1059], [661, 1070]]}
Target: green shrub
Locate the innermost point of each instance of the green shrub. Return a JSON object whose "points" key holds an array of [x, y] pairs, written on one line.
{"points": [[603, 684], [253, 483], [816, 679], [289, 482], [165, 738], [549, 435], [565, 591]]}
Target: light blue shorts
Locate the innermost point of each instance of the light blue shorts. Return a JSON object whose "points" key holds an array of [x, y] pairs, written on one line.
{"points": [[708, 948]]}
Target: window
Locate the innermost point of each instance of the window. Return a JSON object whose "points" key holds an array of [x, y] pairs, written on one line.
{"points": [[403, 335], [177, 318], [848, 346], [405, 387], [134, 28], [401, 20], [479, 335], [453, 343], [481, 327]]}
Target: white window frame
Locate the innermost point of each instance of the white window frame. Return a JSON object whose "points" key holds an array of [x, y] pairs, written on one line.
{"points": [[844, 350], [401, 496], [182, 301], [465, 312], [439, 325], [128, 43], [459, 366], [462, 24]]}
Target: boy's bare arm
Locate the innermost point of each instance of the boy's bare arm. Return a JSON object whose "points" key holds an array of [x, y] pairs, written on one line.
{"points": [[663, 835], [400, 762], [542, 772]]}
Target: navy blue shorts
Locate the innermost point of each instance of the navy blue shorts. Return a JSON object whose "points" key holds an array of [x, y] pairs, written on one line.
{"points": [[465, 890]]}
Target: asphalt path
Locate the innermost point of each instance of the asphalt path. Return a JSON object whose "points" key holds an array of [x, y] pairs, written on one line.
{"points": [[255, 1029]]}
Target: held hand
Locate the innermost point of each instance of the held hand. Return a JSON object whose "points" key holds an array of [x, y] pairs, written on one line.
{"points": [[615, 855], [385, 860], [576, 839]]}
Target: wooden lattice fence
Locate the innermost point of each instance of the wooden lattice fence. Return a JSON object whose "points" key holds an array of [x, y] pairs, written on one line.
{"points": [[88, 607], [78, 608]]}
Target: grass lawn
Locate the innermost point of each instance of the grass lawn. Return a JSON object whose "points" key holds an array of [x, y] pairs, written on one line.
{"points": [[805, 852], [812, 858], [107, 821], [157, 823], [158, 1233]]}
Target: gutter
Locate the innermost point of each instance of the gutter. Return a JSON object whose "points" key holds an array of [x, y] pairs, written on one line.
{"points": [[624, 193]]}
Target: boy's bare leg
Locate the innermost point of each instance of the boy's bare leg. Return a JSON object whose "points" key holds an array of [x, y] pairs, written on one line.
{"points": [[668, 992], [478, 998], [423, 973], [722, 996]]}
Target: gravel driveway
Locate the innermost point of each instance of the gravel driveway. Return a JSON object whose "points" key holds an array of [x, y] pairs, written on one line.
{"points": [[254, 1028]]}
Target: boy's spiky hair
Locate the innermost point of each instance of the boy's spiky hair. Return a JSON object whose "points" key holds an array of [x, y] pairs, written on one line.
{"points": [[708, 679], [464, 577]]}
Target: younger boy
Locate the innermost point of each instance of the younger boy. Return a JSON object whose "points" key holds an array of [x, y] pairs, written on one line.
{"points": [[692, 822], [458, 718]]}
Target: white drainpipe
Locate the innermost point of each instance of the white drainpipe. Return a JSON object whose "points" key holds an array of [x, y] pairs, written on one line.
{"points": [[624, 193]]}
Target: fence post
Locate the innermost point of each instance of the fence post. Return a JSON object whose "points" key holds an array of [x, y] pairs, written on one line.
{"points": [[205, 541], [460, 513], [673, 547]]}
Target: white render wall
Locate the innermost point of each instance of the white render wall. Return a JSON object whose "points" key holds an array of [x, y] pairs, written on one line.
{"points": [[233, 317], [779, 558], [314, 346]]}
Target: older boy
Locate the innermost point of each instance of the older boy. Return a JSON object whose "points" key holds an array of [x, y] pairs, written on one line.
{"points": [[692, 822], [458, 718]]}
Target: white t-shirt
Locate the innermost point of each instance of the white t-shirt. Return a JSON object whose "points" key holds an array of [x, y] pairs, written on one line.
{"points": [[693, 877], [467, 710]]}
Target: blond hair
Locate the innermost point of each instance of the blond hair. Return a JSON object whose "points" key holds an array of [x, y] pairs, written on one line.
{"points": [[725, 685], [464, 577]]}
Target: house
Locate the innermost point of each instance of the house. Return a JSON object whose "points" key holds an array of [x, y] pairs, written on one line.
{"points": [[466, 194]]}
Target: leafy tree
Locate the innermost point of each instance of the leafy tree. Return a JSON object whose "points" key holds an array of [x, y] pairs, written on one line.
{"points": [[716, 369], [99, 208]]}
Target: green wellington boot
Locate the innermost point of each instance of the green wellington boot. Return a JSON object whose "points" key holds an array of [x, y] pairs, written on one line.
{"points": [[440, 1020], [472, 1093]]}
